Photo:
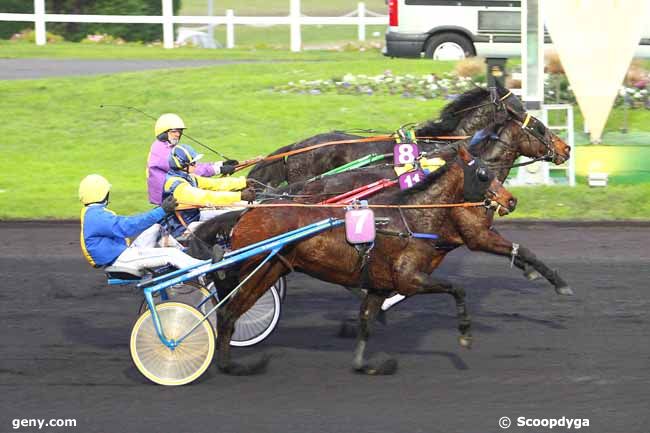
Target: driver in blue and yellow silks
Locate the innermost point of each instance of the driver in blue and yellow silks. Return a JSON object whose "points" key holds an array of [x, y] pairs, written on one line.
{"points": [[194, 191], [104, 235]]}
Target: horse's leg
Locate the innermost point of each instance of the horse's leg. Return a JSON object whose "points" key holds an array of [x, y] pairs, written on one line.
{"points": [[228, 314], [529, 272], [225, 328], [409, 283], [370, 307], [492, 242], [430, 284], [349, 326], [552, 275]]}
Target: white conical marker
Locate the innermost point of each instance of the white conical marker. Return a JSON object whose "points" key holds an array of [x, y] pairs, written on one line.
{"points": [[596, 40]]}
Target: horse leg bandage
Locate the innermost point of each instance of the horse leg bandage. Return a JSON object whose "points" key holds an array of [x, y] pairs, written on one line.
{"points": [[513, 253]]}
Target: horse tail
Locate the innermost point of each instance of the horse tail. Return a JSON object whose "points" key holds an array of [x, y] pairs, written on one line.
{"points": [[271, 173]]}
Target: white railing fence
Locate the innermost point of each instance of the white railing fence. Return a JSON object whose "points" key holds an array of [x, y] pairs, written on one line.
{"points": [[295, 20]]}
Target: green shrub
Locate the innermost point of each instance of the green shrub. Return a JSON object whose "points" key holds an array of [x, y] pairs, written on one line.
{"points": [[29, 35], [78, 31], [9, 28]]}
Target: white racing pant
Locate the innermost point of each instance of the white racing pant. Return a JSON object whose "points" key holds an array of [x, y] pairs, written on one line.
{"points": [[139, 258], [208, 214], [144, 253]]}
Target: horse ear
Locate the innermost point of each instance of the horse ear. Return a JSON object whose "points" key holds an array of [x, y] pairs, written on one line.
{"points": [[464, 154]]}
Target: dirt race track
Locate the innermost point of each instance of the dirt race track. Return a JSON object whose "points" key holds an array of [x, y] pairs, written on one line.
{"points": [[65, 347]]}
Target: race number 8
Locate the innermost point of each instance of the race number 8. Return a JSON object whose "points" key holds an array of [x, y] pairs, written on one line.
{"points": [[405, 153]]}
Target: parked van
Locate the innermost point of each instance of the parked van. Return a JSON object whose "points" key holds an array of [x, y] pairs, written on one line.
{"points": [[455, 29]]}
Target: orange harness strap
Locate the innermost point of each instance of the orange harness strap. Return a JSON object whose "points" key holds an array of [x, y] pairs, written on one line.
{"points": [[378, 206], [282, 155]]}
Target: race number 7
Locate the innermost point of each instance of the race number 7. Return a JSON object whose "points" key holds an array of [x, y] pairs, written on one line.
{"points": [[359, 226]]}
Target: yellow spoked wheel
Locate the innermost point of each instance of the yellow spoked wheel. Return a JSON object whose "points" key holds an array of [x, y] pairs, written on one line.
{"points": [[181, 365]]}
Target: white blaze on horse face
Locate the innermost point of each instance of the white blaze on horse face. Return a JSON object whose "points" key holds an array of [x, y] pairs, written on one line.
{"points": [[596, 40]]}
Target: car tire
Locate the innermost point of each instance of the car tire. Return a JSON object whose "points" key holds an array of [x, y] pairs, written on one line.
{"points": [[449, 46]]}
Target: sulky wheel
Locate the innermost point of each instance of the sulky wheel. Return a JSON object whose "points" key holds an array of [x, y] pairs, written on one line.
{"points": [[190, 293], [281, 287], [259, 321], [180, 365]]}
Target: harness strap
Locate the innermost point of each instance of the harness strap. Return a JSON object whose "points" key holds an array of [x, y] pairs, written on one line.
{"points": [[376, 206], [429, 236], [361, 192], [375, 138], [180, 218]]}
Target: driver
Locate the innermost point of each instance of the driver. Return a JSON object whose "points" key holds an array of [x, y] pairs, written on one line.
{"points": [[168, 130], [104, 235], [194, 191]]}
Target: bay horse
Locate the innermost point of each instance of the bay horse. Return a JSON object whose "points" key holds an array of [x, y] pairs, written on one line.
{"points": [[395, 264], [466, 115], [492, 113], [511, 134]]}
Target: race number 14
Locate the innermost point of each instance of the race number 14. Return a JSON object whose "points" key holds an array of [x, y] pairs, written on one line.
{"points": [[410, 179]]}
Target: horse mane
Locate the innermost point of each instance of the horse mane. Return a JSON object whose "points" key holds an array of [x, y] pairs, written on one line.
{"points": [[450, 116], [453, 112]]}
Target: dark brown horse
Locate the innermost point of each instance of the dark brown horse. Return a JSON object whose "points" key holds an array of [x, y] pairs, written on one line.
{"points": [[510, 137], [472, 111], [395, 264], [508, 131]]}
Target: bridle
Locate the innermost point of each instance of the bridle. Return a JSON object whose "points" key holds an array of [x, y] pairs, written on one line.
{"points": [[528, 123]]}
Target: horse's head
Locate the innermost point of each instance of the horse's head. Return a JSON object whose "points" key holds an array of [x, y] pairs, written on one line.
{"points": [[480, 183], [528, 134]]}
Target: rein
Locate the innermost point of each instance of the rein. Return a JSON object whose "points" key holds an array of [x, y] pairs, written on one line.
{"points": [[375, 138], [486, 202]]}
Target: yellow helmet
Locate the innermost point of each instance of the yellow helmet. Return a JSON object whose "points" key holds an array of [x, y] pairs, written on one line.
{"points": [[168, 121], [93, 188]]}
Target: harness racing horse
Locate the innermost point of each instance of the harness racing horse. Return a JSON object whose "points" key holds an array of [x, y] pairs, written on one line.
{"points": [[394, 264], [513, 133], [482, 112], [470, 112]]}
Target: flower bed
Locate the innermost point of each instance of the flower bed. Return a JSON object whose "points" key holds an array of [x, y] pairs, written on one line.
{"points": [[446, 86]]}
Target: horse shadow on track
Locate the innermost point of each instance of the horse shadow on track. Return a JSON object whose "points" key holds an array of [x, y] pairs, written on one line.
{"points": [[493, 292]]}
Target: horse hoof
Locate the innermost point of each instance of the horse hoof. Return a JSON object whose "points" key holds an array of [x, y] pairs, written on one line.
{"points": [[564, 290], [532, 275], [348, 329], [379, 367], [257, 367], [465, 341]]}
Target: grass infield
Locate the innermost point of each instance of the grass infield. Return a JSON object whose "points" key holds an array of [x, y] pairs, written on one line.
{"points": [[55, 133]]}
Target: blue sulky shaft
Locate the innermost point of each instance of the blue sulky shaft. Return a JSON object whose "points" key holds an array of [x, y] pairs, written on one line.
{"points": [[271, 246]]}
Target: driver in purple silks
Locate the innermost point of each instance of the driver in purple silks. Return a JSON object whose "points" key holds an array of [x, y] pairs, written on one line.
{"points": [[169, 128]]}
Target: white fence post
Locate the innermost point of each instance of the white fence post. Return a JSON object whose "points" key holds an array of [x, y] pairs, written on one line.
{"points": [[167, 19], [230, 28], [362, 22], [211, 26], [294, 17], [168, 24], [39, 22]]}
